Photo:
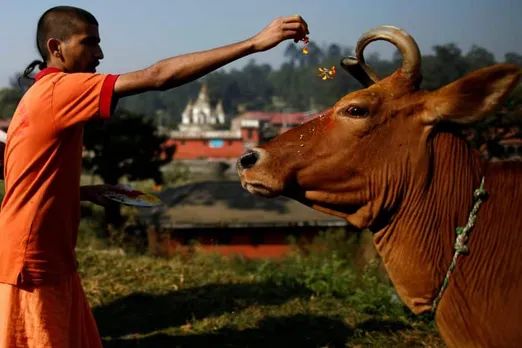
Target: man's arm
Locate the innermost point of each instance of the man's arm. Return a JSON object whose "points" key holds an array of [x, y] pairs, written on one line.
{"points": [[175, 71]]}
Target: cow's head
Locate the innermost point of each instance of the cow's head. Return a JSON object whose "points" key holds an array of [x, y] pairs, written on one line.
{"points": [[361, 155]]}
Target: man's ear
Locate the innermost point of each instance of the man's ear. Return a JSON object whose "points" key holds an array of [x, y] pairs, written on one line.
{"points": [[473, 96], [53, 46]]}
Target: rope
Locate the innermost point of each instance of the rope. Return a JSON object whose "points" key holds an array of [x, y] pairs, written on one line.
{"points": [[479, 196]]}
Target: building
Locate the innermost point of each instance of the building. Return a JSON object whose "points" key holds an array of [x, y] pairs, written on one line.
{"points": [[200, 114], [280, 121], [201, 135], [222, 217]]}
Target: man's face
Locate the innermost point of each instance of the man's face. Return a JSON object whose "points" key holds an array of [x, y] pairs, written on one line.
{"points": [[82, 51]]}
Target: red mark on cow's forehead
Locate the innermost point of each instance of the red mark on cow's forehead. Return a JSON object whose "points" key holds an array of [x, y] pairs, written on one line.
{"points": [[327, 120], [330, 123]]}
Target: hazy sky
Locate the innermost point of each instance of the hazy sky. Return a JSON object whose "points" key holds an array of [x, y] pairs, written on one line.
{"points": [[136, 34]]}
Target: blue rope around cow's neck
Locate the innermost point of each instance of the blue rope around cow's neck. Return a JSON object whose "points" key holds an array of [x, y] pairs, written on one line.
{"points": [[479, 196]]}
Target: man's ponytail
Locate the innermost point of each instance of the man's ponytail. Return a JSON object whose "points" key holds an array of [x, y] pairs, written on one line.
{"points": [[30, 68]]}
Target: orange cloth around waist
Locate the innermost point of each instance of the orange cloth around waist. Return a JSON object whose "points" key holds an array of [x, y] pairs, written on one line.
{"points": [[55, 315]]}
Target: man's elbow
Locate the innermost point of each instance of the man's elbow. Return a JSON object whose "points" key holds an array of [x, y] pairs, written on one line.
{"points": [[150, 79], [153, 78], [156, 78], [162, 78]]}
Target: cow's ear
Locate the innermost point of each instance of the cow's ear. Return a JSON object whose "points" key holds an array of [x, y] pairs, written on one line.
{"points": [[472, 97]]}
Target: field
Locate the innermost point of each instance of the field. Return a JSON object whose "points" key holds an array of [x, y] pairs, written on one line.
{"points": [[316, 301], [320, 300]]}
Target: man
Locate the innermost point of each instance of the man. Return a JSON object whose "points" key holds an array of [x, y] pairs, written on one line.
{"points": [[41, 298]]}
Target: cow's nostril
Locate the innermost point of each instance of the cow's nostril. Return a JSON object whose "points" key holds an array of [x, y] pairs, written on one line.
{"points": [[248, 159]]}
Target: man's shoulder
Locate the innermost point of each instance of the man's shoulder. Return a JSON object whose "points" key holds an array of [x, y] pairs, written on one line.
{"points": [[79, 75], [61, 77]]}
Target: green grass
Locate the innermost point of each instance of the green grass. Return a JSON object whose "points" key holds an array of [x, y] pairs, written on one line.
{"points": [[321, 300], [314, 301]]}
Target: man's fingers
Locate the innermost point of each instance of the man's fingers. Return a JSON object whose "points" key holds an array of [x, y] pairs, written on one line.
{"points": [[293, 25], [293, 34], [296, 19], [297, 29]]}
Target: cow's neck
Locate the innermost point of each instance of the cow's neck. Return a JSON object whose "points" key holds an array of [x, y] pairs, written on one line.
{"points": [[418, 244]]}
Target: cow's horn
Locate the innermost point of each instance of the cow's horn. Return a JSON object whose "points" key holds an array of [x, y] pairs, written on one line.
{"points": [[411, 58], [360, 71]]}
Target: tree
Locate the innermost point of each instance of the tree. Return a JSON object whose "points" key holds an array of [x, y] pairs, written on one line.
{"points": [[292, 53], [18, 82], [334, 51], [11, 96], [446, 66], [315, 54], [9, 99], [479, 57], [512, 57], [127, 145]]}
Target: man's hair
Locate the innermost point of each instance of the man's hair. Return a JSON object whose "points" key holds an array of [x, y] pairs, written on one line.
{"points": [[60, 22]]}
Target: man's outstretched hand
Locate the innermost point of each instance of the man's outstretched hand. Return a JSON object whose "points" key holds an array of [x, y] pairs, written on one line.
{"points": [[281, 29]]}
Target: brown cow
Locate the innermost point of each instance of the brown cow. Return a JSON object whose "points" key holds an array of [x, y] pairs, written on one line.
{"points": [[387, 158]]}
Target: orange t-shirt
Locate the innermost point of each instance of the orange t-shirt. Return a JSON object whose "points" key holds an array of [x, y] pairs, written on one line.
{"points": [[40, 213]]}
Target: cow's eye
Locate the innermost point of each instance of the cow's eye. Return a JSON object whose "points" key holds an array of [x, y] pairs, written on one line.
{"points": [[356, 111]]}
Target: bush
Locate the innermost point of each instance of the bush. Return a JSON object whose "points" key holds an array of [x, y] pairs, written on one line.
{"points": [[317, 298], [326, 268]]}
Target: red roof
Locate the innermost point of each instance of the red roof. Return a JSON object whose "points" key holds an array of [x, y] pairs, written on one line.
{"points": [[255, 115], [288, 118]]}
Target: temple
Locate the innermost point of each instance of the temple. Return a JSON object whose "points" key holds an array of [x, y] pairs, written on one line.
{"points": [[199, 114]]}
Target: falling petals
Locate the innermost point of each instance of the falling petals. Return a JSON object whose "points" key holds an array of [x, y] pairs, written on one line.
{"points": [[326, 73], [305, 48]]}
